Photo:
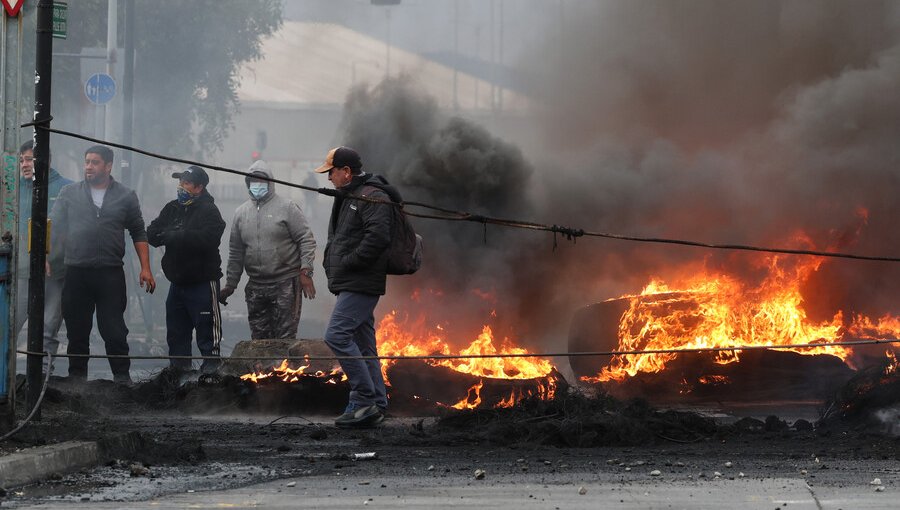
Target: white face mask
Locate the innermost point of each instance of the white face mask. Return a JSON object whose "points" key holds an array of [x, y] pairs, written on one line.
{"points": [[259, 189]]}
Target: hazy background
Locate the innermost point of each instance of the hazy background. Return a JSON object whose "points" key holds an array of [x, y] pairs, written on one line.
{"points": [[717, 121]]}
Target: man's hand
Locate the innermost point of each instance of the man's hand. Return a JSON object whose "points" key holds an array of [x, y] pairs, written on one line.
{"points": [[147, 281], [309, 288], [47, 268], [224, 294]]}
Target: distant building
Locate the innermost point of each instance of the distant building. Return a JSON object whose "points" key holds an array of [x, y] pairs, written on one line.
{"points": [[292, 98]]}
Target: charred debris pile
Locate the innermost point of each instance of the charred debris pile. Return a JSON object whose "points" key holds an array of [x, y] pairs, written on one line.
{"points": [[869, 403]]}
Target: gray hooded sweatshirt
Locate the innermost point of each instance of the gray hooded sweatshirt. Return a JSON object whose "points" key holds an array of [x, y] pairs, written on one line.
{"points": [[270, 238]]}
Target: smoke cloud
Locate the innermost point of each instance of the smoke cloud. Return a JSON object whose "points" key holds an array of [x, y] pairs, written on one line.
{"points": [[453, 163], [716, 121]]}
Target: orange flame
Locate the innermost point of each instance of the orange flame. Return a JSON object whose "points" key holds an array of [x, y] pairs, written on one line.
{"points": [[473, 397], [714, 379], [287, 374], [711, 310], [414, 338], [893, 365]]}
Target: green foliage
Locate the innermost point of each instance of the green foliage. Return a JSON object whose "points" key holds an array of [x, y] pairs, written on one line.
{"points": [[188, 53]]}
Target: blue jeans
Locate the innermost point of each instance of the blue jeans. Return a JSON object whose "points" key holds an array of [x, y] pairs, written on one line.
{"points": [[52, 312], [351, 332]]}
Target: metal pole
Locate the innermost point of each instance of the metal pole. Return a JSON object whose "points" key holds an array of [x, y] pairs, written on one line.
{"points": [[455, 53], [493, 60], [128, 93], [42, 74], [112, 37], [387, 68], [500, 58]]}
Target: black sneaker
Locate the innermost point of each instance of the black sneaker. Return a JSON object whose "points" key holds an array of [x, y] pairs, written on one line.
{"points": [[357, 416]]}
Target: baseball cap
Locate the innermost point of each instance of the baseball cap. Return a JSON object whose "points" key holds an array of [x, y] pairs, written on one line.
{"points": [[339, 157], [193, 174]]}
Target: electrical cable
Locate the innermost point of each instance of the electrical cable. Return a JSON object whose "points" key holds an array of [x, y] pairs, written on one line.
{"points": [[37, 404], [569, 233]]}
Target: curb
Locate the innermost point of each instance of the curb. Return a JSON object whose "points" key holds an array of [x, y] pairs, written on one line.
{"points": [[35, 464]]}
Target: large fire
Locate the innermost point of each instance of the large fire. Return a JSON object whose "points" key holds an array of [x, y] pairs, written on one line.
{"points": [[714, 310], [414, 338]]}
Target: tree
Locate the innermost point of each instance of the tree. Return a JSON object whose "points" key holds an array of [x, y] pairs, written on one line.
{"points": [[188, 54]]}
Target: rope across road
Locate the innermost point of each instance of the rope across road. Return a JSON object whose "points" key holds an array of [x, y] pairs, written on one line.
{"points": [[848, 343]]}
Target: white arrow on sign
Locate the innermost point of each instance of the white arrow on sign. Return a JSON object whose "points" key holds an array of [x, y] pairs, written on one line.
{"points": [[13, 6]]}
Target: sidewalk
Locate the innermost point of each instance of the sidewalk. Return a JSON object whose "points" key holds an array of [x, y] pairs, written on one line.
{"points": [[34, 464]]}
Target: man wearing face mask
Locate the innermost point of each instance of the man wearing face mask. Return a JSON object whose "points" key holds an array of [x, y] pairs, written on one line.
{"points": [[271, 240], [190, 228]]}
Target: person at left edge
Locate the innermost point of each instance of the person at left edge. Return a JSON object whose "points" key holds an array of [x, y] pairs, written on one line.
{"points": [[91, 217], [56, 269], [190, 228]]}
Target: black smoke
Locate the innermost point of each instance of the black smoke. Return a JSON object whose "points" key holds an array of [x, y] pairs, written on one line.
{"points": [[717, 121], [452, 163]]}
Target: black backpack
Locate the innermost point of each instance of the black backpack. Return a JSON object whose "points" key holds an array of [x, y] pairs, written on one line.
{"points": [[405, 251]]}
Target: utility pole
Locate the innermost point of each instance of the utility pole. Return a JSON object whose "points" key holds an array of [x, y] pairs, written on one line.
{"points": [[128, 94], [455, 54], [112, 37], [38, 242], [387, 67], [493, 63], [500, 58]]}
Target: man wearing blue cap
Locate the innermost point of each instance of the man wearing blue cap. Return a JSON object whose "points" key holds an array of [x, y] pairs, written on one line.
{"points": [[190, 227]]}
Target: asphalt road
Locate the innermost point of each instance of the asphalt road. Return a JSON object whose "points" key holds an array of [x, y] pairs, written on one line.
{"points": [[297, 462], [573, 490]]}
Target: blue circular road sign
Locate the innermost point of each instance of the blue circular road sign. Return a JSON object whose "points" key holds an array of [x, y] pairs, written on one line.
{"points": [[100, 88]]}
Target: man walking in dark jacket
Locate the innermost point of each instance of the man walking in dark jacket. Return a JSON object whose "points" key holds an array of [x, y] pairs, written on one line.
{"points": [[359, 234], [191, 227], [56, 269], [92, 216]]}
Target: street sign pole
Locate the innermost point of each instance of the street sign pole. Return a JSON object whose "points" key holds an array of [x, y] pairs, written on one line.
{"points": [[128, 95], [42, 74]]}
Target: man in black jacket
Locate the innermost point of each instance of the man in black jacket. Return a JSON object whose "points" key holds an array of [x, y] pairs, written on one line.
{"points": [[359, 233], [190, 227], [91, 216]]}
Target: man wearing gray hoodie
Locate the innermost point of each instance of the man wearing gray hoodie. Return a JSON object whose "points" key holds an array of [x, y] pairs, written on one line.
{"points": [[272, 241]]}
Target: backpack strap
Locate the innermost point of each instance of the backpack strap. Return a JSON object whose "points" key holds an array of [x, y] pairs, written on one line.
{"points": [[367, 190]]}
